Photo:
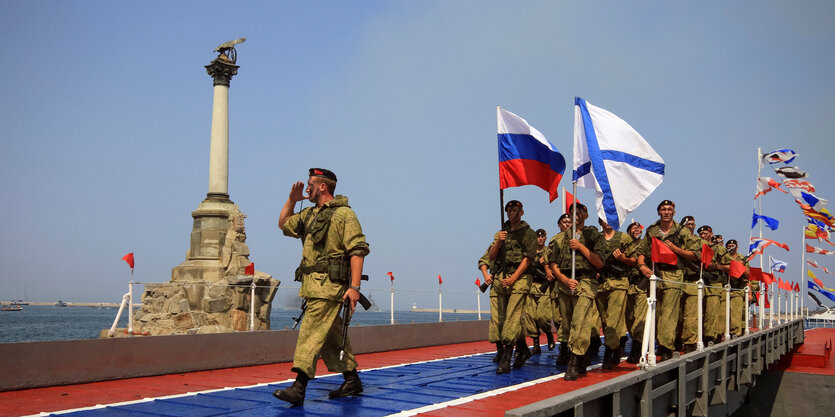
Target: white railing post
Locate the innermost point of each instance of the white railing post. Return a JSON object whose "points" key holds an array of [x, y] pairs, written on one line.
{"points": [[779, 306], [648, 344], [112, 330], [252, 305], [747, 311], [392, 304], [727, 312], [761, 302], [700, 344], [440, 306], [478, 301], [772, 307], [130, 304]]}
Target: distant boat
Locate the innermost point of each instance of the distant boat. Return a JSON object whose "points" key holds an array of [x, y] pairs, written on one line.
{"points": [[12, 308], [20, 303], [61, 304]]}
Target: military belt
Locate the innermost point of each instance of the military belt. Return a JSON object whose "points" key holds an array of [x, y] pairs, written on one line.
{"points": [[320, 267]]}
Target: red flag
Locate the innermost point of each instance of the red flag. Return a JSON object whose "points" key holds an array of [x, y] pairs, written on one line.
{"points": [[707, 254], [662, 253], [768, 278], [782, 284], [757, 274], [819, 282], [738, 268], [477, 282], [440, 281], [391, 276], [569, 200], [129, 259], [765, 295], [796, 287], [250, 269]]}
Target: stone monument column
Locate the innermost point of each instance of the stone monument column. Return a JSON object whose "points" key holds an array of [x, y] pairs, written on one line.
{"points": [[210, 292], [221, 70]]}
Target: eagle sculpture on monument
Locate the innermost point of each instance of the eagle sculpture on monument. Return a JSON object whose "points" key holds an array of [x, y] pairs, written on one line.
{"points": [[227, 49]]}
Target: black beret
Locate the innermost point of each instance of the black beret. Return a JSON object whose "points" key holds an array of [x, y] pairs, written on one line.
{"points": [[732, 241], [322, 172], [665, 203], [705, 227], [686, 219], [541, 232], [564, 216], [633, 224], [513, 203]]}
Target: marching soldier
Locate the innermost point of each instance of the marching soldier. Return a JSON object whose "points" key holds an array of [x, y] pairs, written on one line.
{"points": [[636, 294], [497, 308], [513, 250], [581, 311], [611, 295], [716, 277], [738, 303], [333, 251], [684, 245]]}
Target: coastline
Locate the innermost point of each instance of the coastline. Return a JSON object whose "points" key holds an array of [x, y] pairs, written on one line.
{"points": [[69, 304]]}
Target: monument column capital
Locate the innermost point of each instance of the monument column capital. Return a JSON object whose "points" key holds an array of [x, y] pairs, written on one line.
{"points": [[222, 70]]}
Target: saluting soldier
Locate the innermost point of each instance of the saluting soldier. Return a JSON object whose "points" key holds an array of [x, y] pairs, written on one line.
{"points": [[333, 251], [685, 246], [611, 295], [580, 311], [513, 251], [636, 294]]}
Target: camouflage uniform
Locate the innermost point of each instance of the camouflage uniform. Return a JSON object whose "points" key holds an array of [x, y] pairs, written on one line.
{"points": [[611, 295], [635, 314], [326, 249], [520, 244], [738, 303], [669, 292], [580, 311], [497, 306], [538, 306], [563, 300], [714, 321]]}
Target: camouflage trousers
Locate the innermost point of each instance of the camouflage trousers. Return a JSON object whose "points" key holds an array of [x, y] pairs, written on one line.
{"points": [[320, 335], [510, 308], [537, 312], [584, 319], [555, 307], [714, 316], [635, 313], [737, 313], [690, 307], [611, 303], [670, 309], [565, 305]]}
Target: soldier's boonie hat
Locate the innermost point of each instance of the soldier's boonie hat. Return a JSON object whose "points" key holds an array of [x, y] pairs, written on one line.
{"points": [[732, 241], [513, 203], [705, 227], [541, 232], [686, 219], [666, 203], [322, 172], [564, 216]]}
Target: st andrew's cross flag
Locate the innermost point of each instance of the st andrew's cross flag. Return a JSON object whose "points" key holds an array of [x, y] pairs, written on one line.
{"points": [[610, 156]]}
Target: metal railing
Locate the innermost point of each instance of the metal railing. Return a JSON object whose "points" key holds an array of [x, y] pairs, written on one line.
{"points": [[129, 303]]}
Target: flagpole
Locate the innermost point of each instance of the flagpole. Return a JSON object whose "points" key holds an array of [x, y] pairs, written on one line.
{"points": [[565, 200], [803, 287], [573, 230]]}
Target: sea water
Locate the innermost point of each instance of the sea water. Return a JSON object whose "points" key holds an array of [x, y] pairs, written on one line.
{"points": [[41, 323]]}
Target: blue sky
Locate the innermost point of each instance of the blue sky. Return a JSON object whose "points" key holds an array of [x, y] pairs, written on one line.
{"points": [[107, 111]]}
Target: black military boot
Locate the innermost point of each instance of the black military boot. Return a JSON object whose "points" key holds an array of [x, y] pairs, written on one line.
{"points": [[499, 351], [522, 353], [294, 394], [536, 348], [591, 353], [571, 371], [635, 352], [563, 356], [608, 356], [664, 353], [550, 338], [689, 347], [351, 386], [504, 362]]}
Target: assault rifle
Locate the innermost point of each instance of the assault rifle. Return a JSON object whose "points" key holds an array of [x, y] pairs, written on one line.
{"points": [[346, 319], [297, 320]]}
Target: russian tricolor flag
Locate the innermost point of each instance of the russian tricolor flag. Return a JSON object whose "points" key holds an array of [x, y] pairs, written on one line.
{"points": [[526, 157]]}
